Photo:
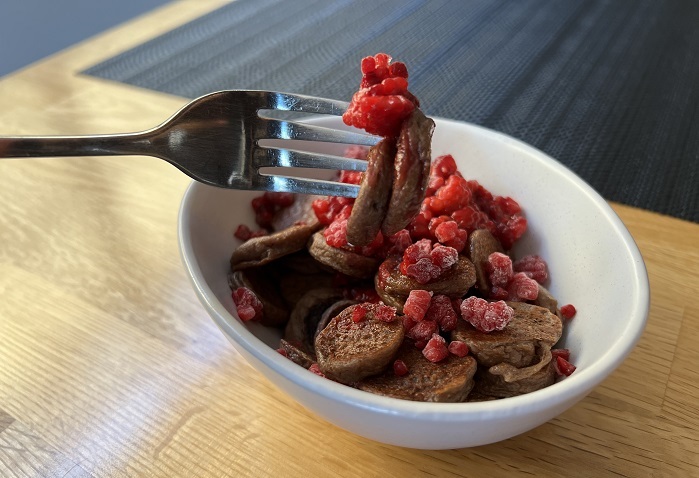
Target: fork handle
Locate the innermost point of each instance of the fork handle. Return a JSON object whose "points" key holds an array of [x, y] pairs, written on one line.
{"points": [[93, 145]]}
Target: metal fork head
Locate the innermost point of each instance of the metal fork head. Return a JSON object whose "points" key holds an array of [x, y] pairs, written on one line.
{"points": [[216, 139]]}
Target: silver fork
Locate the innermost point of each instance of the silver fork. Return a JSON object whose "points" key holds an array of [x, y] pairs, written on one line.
{"points": [[215, 139]]}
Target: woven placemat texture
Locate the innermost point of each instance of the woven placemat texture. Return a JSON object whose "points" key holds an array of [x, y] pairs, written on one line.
{"points": [[607, 87]]}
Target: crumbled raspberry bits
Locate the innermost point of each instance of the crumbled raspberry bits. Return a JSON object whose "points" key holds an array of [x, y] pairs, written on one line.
{"points": [[247, 304], [486, 316]]}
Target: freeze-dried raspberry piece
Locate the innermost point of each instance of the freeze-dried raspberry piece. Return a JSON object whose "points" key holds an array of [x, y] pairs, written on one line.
{"points": [[443, 166], [568, 311], [423, 271], [267, 205], [458, 348], [423, 330], [400, 241], [442, 312], [244, 233], [565, 353], [247, 304], [486, 316], [455, 193], [336, 233], [316, 370], [385, 313], [470, 218], [499, 314], [444, 257], [419, 226], [521, 288], [356, 152], [350, 177], [436, 349], [534, 266], [408, 322], [358, 314], [399, 368], [327, 209], [434, 183], [383, 101], [509, 231], [377, 68], [447, 231], [499, 269], [499, 293], [417, 303], [563, 367], [425, 263]]}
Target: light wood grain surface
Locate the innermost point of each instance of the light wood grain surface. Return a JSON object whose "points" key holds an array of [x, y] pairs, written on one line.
{"points": [[110, 367]]}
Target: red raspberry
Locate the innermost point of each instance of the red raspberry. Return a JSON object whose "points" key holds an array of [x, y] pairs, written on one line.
{"points": [[327, 209], [455, 193], [458, 348], [424, 263], [383, 100], [534, 266], [399, 242], [419, 226], [267, 205], [443, 166], [358, 314], [247, 304], [385, 313], [563, 367], [511, 230], [446, 231], [417, 304], [244, 233], [436, 349], [486, 316], [423, 330], [434, 183], [568, 311], [423, 271], [442, 312], [499, 269], [565, 353], [316, 370], [356, 152], [408, 322], [399, 368], [350, 177], [336, 233], [444, 257], [499, 293], [281, 200], [522, 288]]}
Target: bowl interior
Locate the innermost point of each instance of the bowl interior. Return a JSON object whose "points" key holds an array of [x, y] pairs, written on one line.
{"points": [[593, 261]]}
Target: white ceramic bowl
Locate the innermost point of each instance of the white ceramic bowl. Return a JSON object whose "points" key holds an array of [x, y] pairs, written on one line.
{"points": [[594, 264]]}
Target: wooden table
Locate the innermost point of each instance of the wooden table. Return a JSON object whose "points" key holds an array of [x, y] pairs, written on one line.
{"points": [[110, 367]]}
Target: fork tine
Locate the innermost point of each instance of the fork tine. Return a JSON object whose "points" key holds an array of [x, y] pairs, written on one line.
{"points": [[306, 104], [290, 158], [281, 129], [271, 182]]}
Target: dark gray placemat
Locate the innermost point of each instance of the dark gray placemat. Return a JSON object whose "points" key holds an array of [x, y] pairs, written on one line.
{"points": [[607, 87]]}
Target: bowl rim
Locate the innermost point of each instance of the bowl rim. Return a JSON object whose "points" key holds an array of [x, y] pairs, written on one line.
{"points": [[575, 386]]}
